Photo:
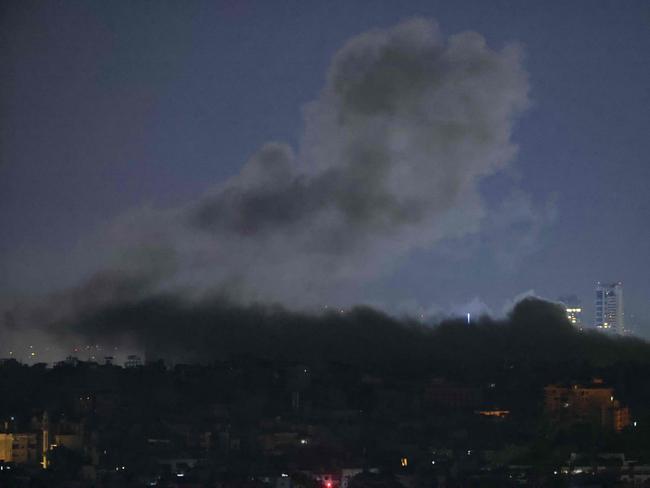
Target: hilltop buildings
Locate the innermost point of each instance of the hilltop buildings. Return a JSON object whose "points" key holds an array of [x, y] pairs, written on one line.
{"points": [[609, 315], [573, 309]]}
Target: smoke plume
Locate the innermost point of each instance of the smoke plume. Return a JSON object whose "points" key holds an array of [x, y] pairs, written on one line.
{"points": [[393, 150], [534, 332], [392, 154]]}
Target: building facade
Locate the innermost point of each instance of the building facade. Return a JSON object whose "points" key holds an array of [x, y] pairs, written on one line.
{"points": [[609, 307], [594, 403], [573, 309], [20, 448]]}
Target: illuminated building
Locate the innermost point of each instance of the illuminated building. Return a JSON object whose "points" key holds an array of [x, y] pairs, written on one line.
{"points": [[573, 309], [34, 447], [19, 448], [45, 447], [496, 413], [609, 307], [573, 314], [5, 447], [594, 403]]}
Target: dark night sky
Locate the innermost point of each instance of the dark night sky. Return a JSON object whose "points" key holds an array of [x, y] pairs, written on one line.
{"points": [[108, 107]]}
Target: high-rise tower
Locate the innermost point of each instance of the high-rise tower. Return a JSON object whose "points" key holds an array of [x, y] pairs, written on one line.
{"points": [[609, 307]]}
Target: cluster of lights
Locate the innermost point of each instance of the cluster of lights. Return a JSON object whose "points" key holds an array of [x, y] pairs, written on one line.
{"points": [[572, 314], [31, 352], [494, 413]]}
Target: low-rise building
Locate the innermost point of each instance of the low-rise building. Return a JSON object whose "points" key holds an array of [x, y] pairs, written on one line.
{"points": [[593, 403], [20, 448]]}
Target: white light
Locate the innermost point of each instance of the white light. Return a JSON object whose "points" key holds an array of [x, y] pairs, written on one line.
{"points": [[634, 423], [285, 475], [433, 462], [468, 317]]}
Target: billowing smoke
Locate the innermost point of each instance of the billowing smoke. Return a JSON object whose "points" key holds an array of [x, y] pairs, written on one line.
{"points": [[167, 327], [393, 150], [407, 126]]}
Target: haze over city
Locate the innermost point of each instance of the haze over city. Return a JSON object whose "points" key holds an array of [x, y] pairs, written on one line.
{"points": [[253, 151]]}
